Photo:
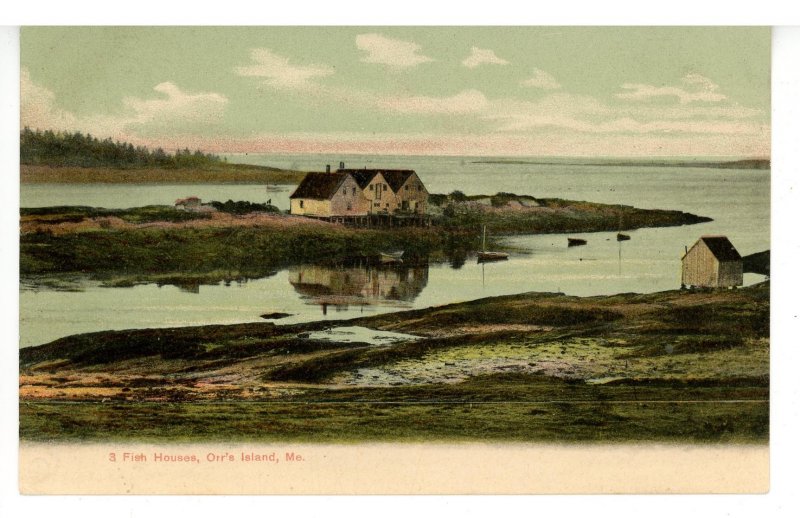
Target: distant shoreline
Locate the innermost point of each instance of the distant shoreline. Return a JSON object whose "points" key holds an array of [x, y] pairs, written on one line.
{"points": [[222, 173], [233, 173], [756, 163]]}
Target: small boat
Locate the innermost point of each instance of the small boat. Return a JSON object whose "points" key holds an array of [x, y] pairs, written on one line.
{"points": [[623, 237], [392, 257], [574, 241], [485, 256]]}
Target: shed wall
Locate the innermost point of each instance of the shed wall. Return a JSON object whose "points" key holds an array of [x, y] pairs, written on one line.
{"points": [[730, 274], [310, 207], [701, 268], [349, 200]]}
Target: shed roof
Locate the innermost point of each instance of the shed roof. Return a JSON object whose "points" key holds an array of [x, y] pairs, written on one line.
{"points": [[721, 247], [319, 186]]}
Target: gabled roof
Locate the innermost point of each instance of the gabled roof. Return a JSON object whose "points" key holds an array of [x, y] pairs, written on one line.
{"points": [[397, 178], [721, 247], [361, 176], [319, 186], [394, 177]]}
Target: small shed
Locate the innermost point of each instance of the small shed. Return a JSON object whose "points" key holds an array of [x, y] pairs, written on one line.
{"points": [[712, 262]]}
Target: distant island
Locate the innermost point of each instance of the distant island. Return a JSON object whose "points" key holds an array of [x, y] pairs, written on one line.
{"points": [[72, 157], [750, 163]]}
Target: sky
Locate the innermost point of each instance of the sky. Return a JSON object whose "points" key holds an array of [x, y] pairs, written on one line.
{"points": [[477, 91]]}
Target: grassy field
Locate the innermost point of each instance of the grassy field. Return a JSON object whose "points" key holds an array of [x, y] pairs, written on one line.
{"points": [[211, 173], [679, 366]]}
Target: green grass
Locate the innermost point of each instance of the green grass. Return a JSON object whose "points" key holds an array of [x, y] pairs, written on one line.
{"points": [[554, 215], [248, 251], [686, 367], [551, 411]]}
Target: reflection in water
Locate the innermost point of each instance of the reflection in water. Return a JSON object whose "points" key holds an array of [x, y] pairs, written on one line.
{"points": [[343, 286]]}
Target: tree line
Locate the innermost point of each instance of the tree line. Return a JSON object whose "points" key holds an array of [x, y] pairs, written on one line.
{"points": [[59, 148]]}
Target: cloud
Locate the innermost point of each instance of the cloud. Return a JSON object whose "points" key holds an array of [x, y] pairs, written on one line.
{"points": [[38, 107], [541, 79], [482, 57], [397, 54], [175, 105], [695, 88], [468, 101], [170, 109], [278, 72], [585, 114]]}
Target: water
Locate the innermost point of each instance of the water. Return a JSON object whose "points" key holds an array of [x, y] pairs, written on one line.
{"points": [[738, 200], [122, 196]]}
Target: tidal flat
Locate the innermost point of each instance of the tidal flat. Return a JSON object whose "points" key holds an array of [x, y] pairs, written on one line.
{"points": [[678, 366]]}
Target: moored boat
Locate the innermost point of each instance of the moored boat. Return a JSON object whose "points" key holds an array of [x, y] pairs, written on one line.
{"points": [[574, 241], [623, 237], [485, 256]]}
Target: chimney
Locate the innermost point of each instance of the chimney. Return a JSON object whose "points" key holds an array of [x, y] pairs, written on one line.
{"points": [[327, 168]]}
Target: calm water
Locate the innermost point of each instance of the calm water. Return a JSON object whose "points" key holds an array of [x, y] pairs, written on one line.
{"points": [[738, 200], [111, 196]]}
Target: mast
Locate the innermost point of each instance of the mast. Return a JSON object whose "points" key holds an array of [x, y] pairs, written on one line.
{"points": [[484, 238]]}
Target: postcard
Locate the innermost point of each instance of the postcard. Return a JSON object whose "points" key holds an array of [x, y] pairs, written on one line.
{"points": [[394, 260]]}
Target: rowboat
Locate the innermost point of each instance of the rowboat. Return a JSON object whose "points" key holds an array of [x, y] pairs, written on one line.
{"points": [[392, 257], [485, 257], [574, 241], [623, 237]]}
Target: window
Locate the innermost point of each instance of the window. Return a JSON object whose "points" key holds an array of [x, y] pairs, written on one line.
{"points": [[371, 187], [354, 191], [419, 188], [349, 206], [301, 204], [406, 187], [384, 187]]}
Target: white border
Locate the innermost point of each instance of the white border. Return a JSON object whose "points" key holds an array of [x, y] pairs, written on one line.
{"points": [[407, 12], [786, 83]]}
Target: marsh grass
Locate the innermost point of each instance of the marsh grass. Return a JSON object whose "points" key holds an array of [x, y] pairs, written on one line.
{"points": [[481, 410]]}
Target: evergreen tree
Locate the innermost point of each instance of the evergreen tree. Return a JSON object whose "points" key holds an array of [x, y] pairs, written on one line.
{"points": [[75, 149]]}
